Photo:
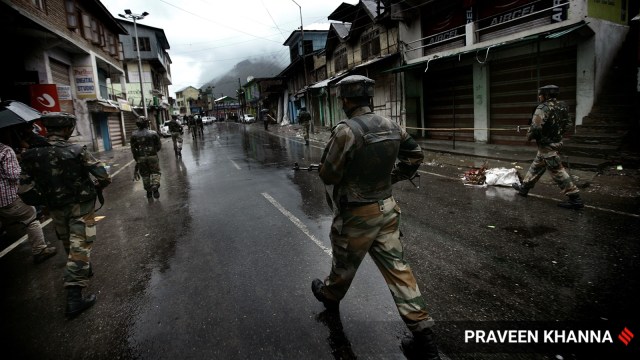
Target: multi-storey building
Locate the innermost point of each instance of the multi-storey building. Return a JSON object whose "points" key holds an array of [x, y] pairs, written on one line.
{"points": [[65, 56], [156, 71]]}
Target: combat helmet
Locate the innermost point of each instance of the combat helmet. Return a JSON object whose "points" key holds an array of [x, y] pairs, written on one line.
{"points": [[58, 120], [550, 91], [142, 122], [355, 86]]}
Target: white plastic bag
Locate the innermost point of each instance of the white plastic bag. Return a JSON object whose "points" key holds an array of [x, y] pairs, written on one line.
{"points": [[501, 176]]}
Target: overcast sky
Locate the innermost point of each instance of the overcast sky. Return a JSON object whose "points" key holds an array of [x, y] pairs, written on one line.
{"points": [[208, 37]]}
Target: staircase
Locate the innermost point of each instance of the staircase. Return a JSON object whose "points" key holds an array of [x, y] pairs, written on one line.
{"points": [[609, 134]]}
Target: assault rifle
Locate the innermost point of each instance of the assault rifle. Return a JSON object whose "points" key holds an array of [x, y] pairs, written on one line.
{"points": [[311, 167]]}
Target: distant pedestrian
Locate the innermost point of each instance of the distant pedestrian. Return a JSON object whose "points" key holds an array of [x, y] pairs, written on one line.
{"points": [[14, 211], [199, 125], [145, 145], [360, 162], [549, 123], [61, 173], [264, 113], [304, 118]]}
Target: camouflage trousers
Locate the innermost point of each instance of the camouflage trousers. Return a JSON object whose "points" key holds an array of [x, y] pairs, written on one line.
{"points": [[305, 130], [374, 229], [553, 163], [149, 167], [76, 228], [176, 137]]}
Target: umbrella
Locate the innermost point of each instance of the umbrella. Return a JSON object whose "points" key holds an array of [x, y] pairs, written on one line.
{"points": [[14, 112]]}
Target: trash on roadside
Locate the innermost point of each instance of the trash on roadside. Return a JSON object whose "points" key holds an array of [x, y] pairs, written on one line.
{"points": [[491, 226], [493, 176], [619, 167], [475, 176]]}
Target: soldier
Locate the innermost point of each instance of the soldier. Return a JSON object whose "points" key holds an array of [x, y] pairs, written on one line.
{"points": [[60, 173], [176, 135], [361, 169], [145, 145], [549, 123], [304, 118]]}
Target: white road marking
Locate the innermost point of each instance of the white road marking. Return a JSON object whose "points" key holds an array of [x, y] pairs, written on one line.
{"points": [[297, 223], [234, 164], [19, 241], [122, 168]]}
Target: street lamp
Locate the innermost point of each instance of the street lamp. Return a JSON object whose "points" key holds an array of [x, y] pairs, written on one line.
{"points": [[136, 17], [213, 98], [304, 62]]}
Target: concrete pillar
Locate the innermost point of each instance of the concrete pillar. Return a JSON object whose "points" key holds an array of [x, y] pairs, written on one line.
{"points": [[481, 102]]}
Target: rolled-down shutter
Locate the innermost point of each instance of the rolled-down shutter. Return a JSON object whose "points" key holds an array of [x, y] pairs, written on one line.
{"points": [[115, 130], [514, 86], [60, 73]]}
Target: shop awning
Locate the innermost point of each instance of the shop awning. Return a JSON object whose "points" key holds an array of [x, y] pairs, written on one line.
{"points": [[554, 34], [327, 82], [99, 105]]}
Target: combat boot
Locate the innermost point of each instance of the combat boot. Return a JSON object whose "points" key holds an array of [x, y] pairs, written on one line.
{"points": [[156, 193], [45, 254], [421, 346], [522, 191], [76, 303], [574, 202], [149, 194], [316, 288]]}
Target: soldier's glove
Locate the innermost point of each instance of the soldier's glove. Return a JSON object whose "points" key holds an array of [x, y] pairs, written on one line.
{"points": [[403, 171]]}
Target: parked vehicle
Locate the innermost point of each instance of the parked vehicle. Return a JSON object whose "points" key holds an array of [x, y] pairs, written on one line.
{"points": [[208, 120], [164, 129], [248, 118]]}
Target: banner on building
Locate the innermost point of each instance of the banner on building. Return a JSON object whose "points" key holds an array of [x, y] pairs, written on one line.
{"points": [[85, 83], [44, 98]]}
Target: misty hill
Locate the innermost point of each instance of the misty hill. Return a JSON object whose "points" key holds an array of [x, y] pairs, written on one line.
{"points": [[228, 84]]}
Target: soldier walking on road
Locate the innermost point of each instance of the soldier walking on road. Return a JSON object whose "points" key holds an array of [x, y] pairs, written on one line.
{"points": [[549, 123], [145, 145], [176, 135], [362, 170], [61, 173], [304, 118]]}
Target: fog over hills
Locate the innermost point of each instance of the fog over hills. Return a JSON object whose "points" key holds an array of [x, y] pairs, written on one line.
{"points": [[228, 84]]}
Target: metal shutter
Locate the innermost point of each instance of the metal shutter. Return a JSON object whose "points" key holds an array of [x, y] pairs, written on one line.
{"points": [[514, 87], [115, 130], [448, 102]]}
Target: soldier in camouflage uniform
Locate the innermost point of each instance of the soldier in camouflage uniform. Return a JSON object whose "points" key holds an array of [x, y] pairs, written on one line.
{"points": [[60, 173], [145, 145], [549, 123], [176, 135], [304, 118], [359, 161]]}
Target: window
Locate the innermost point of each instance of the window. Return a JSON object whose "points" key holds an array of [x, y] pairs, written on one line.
{"points": [[72, 14], [145, 44], [38, 4], [340, 59], [370, 44], [112, 45], [308, 47]]}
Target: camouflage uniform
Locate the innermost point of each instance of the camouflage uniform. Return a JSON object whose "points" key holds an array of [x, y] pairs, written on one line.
{"points": [[548, 135], [60, 172], [176, 135], [145, 145], [359, 160], [305, 120]]}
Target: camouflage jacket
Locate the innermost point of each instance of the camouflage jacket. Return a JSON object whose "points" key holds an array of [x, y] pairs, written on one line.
{"points": [[145, 142], [61, 173], [174, 126], [304, 117], [360, 156], [549, 123]]}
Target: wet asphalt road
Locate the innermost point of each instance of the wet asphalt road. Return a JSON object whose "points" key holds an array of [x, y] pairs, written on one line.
{"points": [[220, 266]]}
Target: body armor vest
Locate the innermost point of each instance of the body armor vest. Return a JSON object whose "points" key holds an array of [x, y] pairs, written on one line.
{"points": [[59, 174], [144, 143], [368, 177], [556, 122]]}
